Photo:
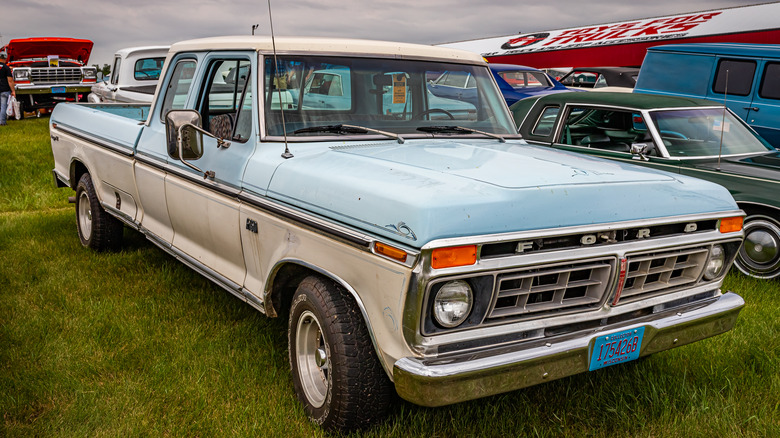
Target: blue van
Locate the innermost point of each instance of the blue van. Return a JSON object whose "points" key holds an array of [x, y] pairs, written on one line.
{"points": [[746, 77]]}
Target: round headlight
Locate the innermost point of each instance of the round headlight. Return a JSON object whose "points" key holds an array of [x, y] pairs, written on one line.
{"points": [[715, 263], [452, 303]]}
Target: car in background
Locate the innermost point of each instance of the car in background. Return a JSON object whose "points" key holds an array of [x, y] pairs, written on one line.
{"points": [[595, 78], [515, 82], [48, 71], [688, 136], [744, 77], [134, 75]]}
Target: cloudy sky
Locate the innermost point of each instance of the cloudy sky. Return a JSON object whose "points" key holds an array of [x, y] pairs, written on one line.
{"points": [[117, 24]]}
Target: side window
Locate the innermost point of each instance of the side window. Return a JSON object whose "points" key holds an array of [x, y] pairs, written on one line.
{"points": [[178, 87], [148, 69], [544, 126], [605, 129], [770, 83], [454, 79], [740, 77], [226, 104], [328, 89], [115, 70]]}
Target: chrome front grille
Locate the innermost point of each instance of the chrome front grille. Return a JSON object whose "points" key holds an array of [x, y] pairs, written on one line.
{"points": [[550, 290], [44, 76], [656, 273]]}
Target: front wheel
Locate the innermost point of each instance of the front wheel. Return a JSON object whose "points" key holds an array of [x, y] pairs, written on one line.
{"points": [[336, 373], [759, 255], [97, 229]]}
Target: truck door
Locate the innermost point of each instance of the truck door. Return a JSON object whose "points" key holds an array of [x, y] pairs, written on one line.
{"points": [[152, 152], [764, 112], [203, 204]]}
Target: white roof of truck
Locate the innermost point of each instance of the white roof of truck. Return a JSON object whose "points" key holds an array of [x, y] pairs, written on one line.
{"points": [[153, 50], [315, 45]]}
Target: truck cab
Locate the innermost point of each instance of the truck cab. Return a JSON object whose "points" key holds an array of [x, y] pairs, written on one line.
{"points": [[134, 75]]}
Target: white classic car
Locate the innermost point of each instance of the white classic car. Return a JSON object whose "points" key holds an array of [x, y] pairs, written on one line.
{"points": [[133, 78]]}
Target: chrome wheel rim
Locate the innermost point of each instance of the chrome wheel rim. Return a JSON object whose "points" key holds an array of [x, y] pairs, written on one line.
{"points": [[759, 255], [85, 216], [311, 355]]}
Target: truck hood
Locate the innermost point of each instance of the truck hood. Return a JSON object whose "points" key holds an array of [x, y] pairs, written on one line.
{"points": [[27, 48], [429, 189]]}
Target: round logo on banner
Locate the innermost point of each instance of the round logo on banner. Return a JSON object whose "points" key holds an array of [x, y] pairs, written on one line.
{"points": [[524, 40]]}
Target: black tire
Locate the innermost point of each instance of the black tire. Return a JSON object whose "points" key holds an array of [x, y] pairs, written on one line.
{"points": [[336, 373], [97, 229], [759, 255]]}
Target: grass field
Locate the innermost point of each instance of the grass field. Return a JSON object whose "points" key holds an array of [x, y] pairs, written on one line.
{"points": [[135, 344]]}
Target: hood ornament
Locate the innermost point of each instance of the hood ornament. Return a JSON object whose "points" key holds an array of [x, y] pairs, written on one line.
{"points": [[402, 230]]}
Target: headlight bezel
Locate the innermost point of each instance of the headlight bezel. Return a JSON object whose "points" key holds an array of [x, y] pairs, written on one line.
{"points": [[449, 301], [89, 73], [22, 74], [714, 266], [482, 291]]}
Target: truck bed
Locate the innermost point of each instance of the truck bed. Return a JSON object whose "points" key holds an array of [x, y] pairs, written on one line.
{"points": [[117, 125]]}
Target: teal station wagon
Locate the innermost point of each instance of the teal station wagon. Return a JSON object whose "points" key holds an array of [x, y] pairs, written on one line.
{"points": [[682, 135]]}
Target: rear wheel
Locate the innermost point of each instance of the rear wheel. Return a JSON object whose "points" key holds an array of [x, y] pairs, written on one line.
{"points": [[336, 373], [759, 255], [97, 229]]}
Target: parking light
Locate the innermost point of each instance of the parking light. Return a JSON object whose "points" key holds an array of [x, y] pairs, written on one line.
{"points": [[389, 251], [454, 256], [730, 224]]}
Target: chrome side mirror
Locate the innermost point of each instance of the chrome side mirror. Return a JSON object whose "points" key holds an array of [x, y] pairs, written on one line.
{"points": [[182, 129], [185, 137], [642, 150]]}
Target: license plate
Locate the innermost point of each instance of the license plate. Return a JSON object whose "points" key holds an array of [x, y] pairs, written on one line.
{"points": [[58, 89], [615, 348]]}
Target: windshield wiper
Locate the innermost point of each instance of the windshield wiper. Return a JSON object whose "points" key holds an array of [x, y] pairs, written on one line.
{"points": [[459, 129], [348, 129]]}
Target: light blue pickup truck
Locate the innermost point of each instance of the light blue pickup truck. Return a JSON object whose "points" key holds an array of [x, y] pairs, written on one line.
{"points": [[414, 244]]}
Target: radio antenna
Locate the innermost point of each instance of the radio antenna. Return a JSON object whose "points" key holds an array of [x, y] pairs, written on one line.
{"points": [[723, 118], [286, 153]]}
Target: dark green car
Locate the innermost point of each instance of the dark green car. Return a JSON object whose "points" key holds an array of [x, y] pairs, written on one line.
{"points": [[692, 137]]}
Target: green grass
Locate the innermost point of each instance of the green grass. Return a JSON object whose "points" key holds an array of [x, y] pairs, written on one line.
{"points": [[136, 344]]}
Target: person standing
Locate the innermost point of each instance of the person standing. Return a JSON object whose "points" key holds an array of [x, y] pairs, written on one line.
{"points": [[7, 87]]}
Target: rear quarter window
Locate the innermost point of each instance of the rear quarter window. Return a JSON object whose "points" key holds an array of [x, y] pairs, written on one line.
{"points": [[544, 126]]}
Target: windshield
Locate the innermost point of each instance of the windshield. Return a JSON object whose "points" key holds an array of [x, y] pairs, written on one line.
{"points": [[389, 95], [698, 133]]}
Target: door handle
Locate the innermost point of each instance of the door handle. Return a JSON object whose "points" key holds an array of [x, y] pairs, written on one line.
{"points": [[751, 108]]}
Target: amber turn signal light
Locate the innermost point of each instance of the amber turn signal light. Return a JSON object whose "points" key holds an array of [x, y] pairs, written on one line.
{"points": [[730, 224], [454, 256], [389, 251]]}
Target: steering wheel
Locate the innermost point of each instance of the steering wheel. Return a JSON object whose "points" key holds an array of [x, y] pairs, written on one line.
{"points": [[673, 134], [419, 116]]}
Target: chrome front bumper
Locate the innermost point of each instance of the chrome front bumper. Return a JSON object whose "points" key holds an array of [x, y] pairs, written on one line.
{"points": [[452, 379], [46, 89]]}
